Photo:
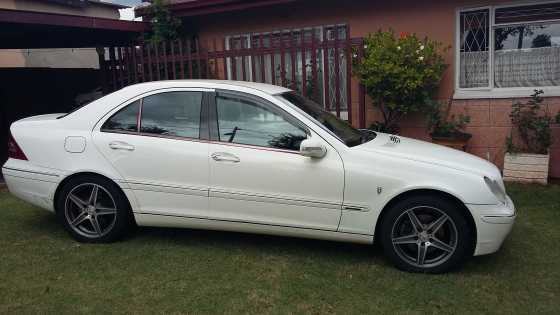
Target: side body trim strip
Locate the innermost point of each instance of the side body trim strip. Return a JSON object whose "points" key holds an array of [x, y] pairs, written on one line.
{"points": [[246, 222]]}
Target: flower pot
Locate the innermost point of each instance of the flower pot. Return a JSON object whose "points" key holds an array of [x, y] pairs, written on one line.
{"points": [[455, 142], [526, 168]]}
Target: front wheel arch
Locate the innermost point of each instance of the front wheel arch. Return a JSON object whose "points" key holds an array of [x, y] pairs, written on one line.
{"points": [[435, 193]]}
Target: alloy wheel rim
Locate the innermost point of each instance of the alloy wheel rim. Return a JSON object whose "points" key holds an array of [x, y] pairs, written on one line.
{"points": [[90, 210], [424, 236]]}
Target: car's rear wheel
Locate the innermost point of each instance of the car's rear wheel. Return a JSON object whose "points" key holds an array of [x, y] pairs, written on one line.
{"points": [[426, 234], [93, 209]]}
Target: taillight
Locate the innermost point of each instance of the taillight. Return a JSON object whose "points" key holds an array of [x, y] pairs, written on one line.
{"points": [[14, 151]]}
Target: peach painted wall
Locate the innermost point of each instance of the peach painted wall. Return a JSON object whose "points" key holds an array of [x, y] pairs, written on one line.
{"points": [[435, 19]]}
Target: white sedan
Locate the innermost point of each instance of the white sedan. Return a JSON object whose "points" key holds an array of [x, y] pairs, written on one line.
{"points": [[256, 158]]}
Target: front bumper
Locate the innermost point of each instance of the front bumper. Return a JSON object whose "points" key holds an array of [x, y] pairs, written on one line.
{"points": [[493, 225]]}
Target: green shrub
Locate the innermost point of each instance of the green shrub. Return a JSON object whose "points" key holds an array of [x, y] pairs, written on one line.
{"points": [[443, 125], [531, 123], [400, 74], [163, 25]]}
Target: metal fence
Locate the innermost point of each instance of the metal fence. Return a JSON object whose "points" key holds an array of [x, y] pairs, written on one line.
{"points": [[316, 61]]}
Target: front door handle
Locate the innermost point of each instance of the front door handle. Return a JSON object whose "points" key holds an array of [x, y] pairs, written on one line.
{"points": [[120, 145], [224, 157]]}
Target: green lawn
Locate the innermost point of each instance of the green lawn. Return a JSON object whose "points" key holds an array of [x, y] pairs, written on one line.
{"points": [[201, 272]]}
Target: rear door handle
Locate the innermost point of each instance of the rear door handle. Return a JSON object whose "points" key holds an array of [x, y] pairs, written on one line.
{"points": [[120, 145], [224, 157]]}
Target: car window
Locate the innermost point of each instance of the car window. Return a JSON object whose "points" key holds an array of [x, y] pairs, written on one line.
{"points": [[245, 121], [125, 119], [326, 120], [172, 114]]}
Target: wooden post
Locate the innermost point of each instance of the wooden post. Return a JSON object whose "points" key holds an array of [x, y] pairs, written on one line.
{"points": [[113, 65], [173, 60], [348, 74], [326, 70], [261, 46], [303, 65], [282, 61], [189, 58], [102, 70], [293, 52], [181, 59], [314, 67], [252, 56], [336, 73]]}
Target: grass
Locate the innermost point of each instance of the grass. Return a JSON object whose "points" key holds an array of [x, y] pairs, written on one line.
{"points": [[42, 270]]}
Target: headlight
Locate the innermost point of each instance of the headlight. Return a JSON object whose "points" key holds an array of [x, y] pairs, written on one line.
{"points": [[496, 189]]}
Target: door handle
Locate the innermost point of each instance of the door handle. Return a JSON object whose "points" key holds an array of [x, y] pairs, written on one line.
{"points": [[224, 157], [120, 145]]}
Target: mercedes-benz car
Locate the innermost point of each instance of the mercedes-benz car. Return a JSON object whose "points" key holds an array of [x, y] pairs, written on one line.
{"points": [[257, 158]]}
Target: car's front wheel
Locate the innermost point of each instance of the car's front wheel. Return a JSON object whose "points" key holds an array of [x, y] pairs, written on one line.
{"points": [[93, 209], [426, 234]]}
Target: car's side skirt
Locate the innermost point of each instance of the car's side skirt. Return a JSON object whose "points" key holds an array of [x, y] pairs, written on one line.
{"points": [[148, 219]]}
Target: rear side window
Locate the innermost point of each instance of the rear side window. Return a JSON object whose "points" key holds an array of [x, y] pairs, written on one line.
{"points": [[124, 120], [172, 114]]}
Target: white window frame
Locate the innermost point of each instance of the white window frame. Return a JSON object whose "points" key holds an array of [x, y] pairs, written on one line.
{"points": [[491, 91]]}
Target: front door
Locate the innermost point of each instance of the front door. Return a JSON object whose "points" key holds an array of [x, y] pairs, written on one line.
{"points": [[155, 144], [257, 174]]}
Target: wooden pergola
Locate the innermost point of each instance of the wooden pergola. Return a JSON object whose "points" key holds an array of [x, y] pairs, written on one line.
{"points": [[28, 29]]}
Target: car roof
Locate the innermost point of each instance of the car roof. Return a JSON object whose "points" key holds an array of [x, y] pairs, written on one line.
{"points": [[217, 84], [81, 118]]}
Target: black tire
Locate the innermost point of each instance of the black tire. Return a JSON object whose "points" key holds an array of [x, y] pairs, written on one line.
{"points": [[442, 251], [78, 217]]}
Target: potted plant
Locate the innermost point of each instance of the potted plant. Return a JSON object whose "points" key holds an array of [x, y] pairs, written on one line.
{"points": [[400, 74], [446, 129], [527, 148]]}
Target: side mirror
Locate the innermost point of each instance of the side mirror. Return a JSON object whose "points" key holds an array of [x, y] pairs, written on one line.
{"points": [[312, 148]]}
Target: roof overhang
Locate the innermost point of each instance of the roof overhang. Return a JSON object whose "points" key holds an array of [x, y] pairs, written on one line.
{"points": [[204, 7], [28, 29], [85, 3]]}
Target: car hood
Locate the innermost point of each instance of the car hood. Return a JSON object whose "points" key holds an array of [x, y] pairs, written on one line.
{"points": [[426, 152]]}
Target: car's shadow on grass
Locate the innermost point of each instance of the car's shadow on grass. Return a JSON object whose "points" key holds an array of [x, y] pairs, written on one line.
{"points": [[266, 244], [257, 244], [47, 223]]}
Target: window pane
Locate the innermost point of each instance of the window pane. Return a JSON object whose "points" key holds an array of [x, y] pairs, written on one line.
{"points": [[474, 32], [172, 114], [528, 13], [124, 120], [247, 122], [527, 55]]}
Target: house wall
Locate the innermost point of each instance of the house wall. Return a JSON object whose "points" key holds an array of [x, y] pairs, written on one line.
{"points": [[436, 19]]}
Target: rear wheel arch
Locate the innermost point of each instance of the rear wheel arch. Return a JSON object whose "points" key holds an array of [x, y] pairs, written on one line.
{"points": [[434, 193], [84, 174]]}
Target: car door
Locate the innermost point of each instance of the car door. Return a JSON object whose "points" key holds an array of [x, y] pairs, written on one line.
{"points": [[257, 174], [158, 145]]}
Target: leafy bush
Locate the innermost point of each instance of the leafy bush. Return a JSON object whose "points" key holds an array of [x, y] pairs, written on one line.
{"points": [[531, 123], [443, 125], [164, 26], [401, 75]]}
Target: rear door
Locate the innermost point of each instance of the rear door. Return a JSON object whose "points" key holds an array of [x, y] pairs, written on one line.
{"points": [[158, 145]]}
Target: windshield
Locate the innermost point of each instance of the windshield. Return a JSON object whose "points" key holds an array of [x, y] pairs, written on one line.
{"points": [[341, 129]]}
